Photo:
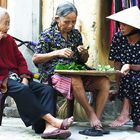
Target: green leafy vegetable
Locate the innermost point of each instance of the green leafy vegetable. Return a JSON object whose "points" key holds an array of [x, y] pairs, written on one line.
{"points": [[105, 68], [70, 66]]}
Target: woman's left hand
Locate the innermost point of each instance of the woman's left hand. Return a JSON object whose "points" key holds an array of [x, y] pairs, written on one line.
{"points": [[125, 69], [25, 76], [83, 52], [25, 81]]}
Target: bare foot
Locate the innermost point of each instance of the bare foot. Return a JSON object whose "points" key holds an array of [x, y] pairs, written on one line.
{"points": [[94, 121], [120, 121], [49, 128]]}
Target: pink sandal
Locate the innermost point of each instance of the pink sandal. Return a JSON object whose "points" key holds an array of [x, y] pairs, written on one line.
{"points": [[66, 124]]}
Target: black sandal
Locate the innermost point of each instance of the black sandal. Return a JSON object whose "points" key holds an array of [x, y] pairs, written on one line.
{"points": [[101, 129], [94, 131], [91, 132]]}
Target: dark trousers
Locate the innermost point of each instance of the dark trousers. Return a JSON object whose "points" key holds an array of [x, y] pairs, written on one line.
{"points": [[33, 101]]}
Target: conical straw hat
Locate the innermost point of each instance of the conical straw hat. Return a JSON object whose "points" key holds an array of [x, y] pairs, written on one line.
{"points": [[130, 16]]}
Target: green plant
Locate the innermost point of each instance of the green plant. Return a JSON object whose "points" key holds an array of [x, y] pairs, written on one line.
{"points": [[70, 66], [105, 68]]}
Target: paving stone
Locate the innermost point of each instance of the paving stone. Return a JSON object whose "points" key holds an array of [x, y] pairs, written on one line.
{"points": [[13, 128]]}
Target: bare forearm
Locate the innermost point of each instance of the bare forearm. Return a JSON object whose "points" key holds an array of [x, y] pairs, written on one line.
{"points": [[134, 67], [117, 66], [40, 58]]}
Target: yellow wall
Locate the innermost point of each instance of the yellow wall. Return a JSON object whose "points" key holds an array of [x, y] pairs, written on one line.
{"points": [[91, 23], [102, 31], [3, 3]]}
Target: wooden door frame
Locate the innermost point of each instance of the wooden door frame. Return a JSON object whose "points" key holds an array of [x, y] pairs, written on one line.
{"points": [[3, 3]]}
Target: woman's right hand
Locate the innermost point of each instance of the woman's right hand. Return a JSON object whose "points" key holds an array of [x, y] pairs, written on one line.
{"points": [[1, 35], [66, 52], [41, 58], [4, 85], [125, 69]]}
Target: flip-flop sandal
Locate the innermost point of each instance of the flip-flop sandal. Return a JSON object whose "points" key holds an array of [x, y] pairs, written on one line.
{"points": [[56, 134], [105, 131], [91, 132], [65, 124]]}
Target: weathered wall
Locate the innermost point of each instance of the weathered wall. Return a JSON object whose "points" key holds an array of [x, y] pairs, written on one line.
{"points": [[86, 21], [24, 23], [102, 31], [3, 3], [91, 23]]}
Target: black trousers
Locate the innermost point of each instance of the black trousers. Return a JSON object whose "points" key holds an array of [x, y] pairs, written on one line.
{"points": [[33, 101]]}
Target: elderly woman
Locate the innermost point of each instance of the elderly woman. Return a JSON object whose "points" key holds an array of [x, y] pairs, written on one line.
{"points": [[62, 43], [35, 101], [125, 52]]}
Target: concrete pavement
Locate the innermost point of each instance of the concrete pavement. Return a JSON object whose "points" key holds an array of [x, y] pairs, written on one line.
{"points": [[14, 129]]}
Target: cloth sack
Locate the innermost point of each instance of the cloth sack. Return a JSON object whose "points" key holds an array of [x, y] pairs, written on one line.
{"points": [[63, 85]]}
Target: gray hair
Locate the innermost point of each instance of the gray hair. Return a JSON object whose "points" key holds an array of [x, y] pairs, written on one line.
{"points": [[3, 11], [63, 10]]}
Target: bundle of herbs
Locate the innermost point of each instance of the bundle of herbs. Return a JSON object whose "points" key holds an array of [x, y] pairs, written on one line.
{"points": [[70, 66], [105, 68]]}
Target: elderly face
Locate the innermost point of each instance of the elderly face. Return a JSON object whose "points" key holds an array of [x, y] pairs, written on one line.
{"points": [[67, 23], [4, 24], [126, 29]]}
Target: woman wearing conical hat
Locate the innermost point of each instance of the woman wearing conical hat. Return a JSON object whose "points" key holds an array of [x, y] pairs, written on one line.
{"points": [[125, 52]]}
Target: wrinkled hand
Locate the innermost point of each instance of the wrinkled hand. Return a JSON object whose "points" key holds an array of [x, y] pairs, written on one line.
{"points": [[66, 52], [4, 85], [83, 52], [25, 76], [25, 81], [1, 35], [125, 69]]}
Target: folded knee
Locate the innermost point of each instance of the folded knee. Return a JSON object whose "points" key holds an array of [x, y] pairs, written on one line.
{"points": [[76, 80], [105, 83], [50, 90]]}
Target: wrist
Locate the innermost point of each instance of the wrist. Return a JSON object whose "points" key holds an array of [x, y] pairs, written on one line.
{"points": [[25, 79], [131, 66], [56, 53]]}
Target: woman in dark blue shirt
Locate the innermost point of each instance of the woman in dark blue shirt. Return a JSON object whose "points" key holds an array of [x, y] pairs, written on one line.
{"points": [[62, 43]]}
